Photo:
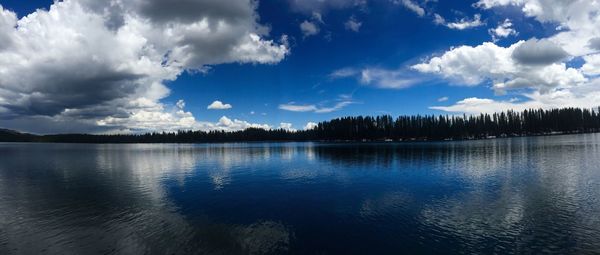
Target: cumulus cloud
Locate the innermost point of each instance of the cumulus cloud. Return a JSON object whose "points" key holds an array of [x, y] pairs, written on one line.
{"points": [[542, 10], [535, 64], [287, 126], [310, 125], [105, 62], [594, 43], [538, 65], [171, 119], [353, 24], [503, 30], [578, 19], [585, 96], [188, 11], [8, 20], [536, 68], [476, 105], [471, 66], [218, 105], [538, 52], [465, 23], [379, 77], [152, 116], [227, 124], [592, 64]]}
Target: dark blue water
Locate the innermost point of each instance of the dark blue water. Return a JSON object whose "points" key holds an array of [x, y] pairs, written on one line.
{"points": [[506, 196]]}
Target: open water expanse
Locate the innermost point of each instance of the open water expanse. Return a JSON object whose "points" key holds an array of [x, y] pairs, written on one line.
{"points": [[504, 196]]}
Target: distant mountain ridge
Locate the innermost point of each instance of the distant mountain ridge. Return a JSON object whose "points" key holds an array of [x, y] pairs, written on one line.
{"points": [[7, 135]]}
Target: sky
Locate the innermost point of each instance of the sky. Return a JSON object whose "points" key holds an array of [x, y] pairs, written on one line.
{"points": [[130, 66]]}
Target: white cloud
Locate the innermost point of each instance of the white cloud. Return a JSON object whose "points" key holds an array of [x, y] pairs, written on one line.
{"points": [[387, 79], [180, 104], [585, 96], [438, 19], [309, 28], [310, 125], [298, 108], [503, 30], [462, 24], [577, 19], [411, 6], [218, 105], [442, 99], [228, 124], [538, 65], [322, 108], [353, 24], [592, 64], [287, 126], [476, 105], [472, 66], [158, 117], [336, 107], [379, 77], [542, 10], [8, 20], [89, 61], [466, 23], [487, 4], [344, 73], [153, 116]]}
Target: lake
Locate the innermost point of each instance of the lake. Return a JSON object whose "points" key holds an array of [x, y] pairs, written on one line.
{"points": [[504, 196]]}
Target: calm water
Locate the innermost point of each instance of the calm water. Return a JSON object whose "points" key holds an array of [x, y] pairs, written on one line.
{"points": [[505, 196]]}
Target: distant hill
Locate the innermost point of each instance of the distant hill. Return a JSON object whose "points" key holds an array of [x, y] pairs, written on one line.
{"points": [[7, 135]]}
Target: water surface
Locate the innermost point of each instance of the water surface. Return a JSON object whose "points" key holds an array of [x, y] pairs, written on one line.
{"points": [[504, 196]]}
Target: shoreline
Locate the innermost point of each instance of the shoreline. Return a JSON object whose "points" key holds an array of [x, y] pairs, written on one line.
{"points": [[361, 141]]}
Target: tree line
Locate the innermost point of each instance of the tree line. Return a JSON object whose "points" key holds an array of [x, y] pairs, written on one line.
{"points": [[431, 127], [366, 128]]}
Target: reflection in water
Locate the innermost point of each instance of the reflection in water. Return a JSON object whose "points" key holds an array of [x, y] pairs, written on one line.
{"points": [[520, 195], [81, 199]]}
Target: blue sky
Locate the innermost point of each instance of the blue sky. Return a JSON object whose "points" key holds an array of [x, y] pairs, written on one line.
{"points": [[312, 61]]}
